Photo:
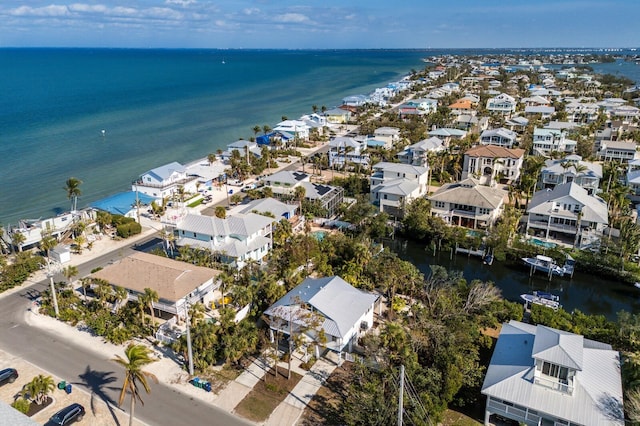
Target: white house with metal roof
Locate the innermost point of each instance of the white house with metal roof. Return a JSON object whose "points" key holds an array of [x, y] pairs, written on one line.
{"points": [[548, 140], [341, 310], [543, 376], [298, 128], [503, 104], [567, 213], [283, 185], [234, 240], [345, 151], [571, 169], [417, 154], [164, 181], [394, 186], [499, 137]]}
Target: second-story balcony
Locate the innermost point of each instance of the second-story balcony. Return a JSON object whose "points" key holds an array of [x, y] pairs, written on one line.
{"points": [[164, 185]]}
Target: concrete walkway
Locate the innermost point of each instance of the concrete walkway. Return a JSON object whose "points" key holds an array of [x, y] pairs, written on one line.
{"points": [[290, 410], [237, 390]]}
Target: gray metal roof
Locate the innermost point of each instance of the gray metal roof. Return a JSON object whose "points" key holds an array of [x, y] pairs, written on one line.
{"points": [[338, 301], [164, 172], [594, 208], [596, 399], [271, 205], [239, 224], [558, 347]]}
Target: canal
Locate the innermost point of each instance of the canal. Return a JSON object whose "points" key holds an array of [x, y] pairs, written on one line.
{"points": [[590, 294]]}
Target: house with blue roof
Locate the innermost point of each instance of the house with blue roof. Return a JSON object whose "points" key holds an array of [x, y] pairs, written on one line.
{"points": [[333, 305]]}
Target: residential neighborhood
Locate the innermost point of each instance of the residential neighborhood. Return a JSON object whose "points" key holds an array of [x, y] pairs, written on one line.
{"points": [[274, 279]]}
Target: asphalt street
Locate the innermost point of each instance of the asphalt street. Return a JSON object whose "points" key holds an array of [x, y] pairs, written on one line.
{"points": [[88, 370]]}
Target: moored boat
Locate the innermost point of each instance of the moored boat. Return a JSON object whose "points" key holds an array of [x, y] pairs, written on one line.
{"points": [[541, 298], [544, 264]]}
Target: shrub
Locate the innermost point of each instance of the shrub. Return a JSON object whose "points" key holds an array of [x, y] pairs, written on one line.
{"points": [[128, 229], [22, 405]]}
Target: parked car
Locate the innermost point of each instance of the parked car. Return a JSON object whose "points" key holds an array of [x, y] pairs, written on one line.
{"points": [[249, 187], [68, 415], [8, 375]]}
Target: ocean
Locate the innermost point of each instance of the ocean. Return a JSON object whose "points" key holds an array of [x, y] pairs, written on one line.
{"points": [[158, 106]]}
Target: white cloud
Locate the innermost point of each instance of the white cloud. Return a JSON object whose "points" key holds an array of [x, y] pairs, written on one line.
{"points": [[291, 18], [183, 3], [251, 11], [51, 10], [88, 8]]}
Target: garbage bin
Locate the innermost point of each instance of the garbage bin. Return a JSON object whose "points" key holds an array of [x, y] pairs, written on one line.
{"points": [[207, 387], [62, 385], [67, 388], [196, 382]]}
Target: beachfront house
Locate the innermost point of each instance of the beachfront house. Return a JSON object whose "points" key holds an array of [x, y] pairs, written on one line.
{"points": [[246, 149], [468, 203], [500, 137], [233, 240], [337, 116], [503, 104], [330, 304], [571, 169], [32, 231], [298, 128], [178, 284], [542, 376], [283, 184], [567, 213], [490, 164], [165, 181], [418, 153], [345, 151], [394, 186]]}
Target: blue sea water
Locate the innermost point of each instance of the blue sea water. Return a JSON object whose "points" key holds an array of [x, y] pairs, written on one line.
{"points": [[158, 106]]}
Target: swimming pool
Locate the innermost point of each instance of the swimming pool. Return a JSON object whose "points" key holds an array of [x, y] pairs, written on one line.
{"points": [[540, 243], [319, 235]]}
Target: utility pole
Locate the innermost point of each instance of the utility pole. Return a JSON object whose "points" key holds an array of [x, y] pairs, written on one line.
{"points": [[54, 296], [189, 350], [400, 395]]}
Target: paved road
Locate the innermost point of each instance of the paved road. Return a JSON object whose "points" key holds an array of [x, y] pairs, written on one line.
{"points": [[164, 406]]}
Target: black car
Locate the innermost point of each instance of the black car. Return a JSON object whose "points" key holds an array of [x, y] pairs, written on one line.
{"points": [[68, 415], [8, 375]]}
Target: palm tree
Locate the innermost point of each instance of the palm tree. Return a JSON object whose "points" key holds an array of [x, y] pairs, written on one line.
{"points": [[38, 388], [47, 243], [18, 239], [72, 186], [151, 296], [196, 313], [137, 356], [299, 193], [256, 129], [69, 272], [211, 158]]}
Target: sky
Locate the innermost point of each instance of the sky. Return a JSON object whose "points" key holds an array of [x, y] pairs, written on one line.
{"points": [[319, 24]]}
